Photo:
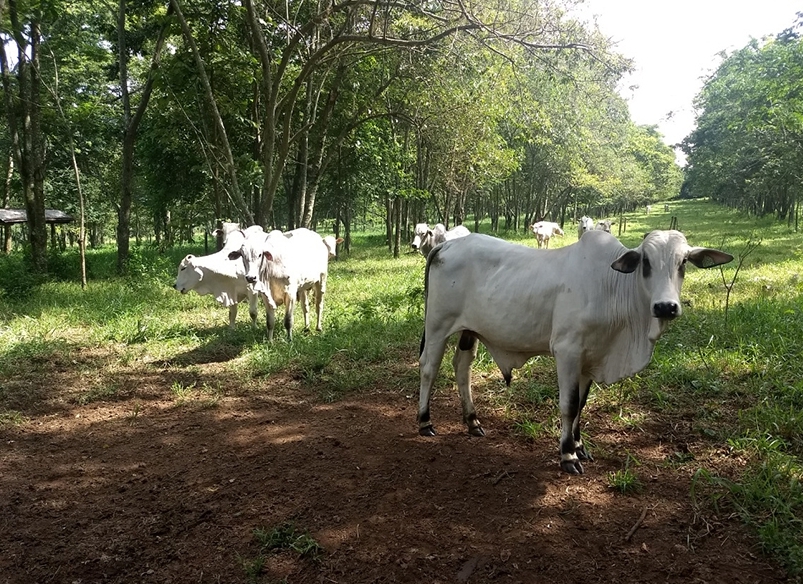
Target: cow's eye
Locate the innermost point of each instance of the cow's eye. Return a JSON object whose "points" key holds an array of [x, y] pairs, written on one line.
{"points": [[647, 267], [682, 268]]}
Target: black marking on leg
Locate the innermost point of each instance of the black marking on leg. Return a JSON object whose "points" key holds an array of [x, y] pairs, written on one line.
{"points": [[424, 418], [583, 454], [467, 342], [474, 426], [572, 467], [427, 431], [421, 347]]}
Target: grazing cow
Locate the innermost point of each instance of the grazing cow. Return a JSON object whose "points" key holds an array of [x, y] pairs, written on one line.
{"points": [[585, 224], [648, 208], [604, 225], [595, 305], [283, 268], [425, 238], [331, 244], [666, 207], [544, 230], [220, 276]]}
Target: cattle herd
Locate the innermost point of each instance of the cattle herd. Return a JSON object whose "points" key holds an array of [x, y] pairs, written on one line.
{"points": [[595, 305]]}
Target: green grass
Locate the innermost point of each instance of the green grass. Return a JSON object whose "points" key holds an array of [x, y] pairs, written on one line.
{"points": [[737, 382]]}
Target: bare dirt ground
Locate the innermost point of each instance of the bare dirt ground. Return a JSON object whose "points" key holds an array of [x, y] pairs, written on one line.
{"points": [[142, 489]]}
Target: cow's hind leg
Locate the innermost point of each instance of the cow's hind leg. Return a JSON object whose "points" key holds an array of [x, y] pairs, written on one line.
{"points": [[463, 358], [320, 290], [303, 299], [579, 447], [569, 388], [432, 348], [232, 315]]}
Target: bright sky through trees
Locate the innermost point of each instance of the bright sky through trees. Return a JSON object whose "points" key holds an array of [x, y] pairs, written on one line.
{"points": [[675, 46]]}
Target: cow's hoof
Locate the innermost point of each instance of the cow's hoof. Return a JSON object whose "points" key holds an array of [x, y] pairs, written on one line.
{"points": [[476, 431], [427, 431], [572, 467], [583, 454]]}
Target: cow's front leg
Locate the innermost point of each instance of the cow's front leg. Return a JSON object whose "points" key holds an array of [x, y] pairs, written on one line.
{"points": [[289, 305], [253, 302], [270, 315], [463, 358], [232, 315], [569, 389], [579, 447]]}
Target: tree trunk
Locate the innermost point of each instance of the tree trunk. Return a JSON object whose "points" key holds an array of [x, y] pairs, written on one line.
{"points": [[231, 168], [130, 127], [7, 243], [24, 127]]}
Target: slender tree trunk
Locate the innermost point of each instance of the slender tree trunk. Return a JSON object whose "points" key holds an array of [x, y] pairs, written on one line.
{"points": [[23, 123], [6, 202], [130, 128], [231, 167]]}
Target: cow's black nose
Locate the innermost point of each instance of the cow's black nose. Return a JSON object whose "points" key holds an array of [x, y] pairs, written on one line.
{"points": [[251, 279], [665, 309]]}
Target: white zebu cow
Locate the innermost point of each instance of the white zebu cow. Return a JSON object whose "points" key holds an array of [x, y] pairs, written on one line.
{"points": [[283, 268], [216, 274], [331, 244], [595, 305], [425, 238], [604, 225], [584, 225], [544, 230]]}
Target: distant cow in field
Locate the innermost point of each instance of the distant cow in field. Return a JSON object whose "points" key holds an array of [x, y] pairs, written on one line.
{"points": [[425, 238], [666, 207], [584, 225], [331, 244], [544, 230], [220, 276], [283, 268], [648, 208], [596, 306], [604, 225]]}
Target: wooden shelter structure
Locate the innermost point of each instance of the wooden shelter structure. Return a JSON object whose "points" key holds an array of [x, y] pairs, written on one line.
{"points": [[9, 217], [52, 216]]}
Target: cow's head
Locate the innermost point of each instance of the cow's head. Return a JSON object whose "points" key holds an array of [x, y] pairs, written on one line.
{"points": [[188, 275], [421, 232], [660, 264], [256, 248], [250, 252], [662, 257]]}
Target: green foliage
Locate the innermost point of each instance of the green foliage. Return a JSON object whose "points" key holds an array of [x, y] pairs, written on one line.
{"points": [[625, 481], [746, 149], [286, 536]]}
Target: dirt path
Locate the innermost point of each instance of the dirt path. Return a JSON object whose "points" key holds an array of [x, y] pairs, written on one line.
{"points": [[142, 490]]}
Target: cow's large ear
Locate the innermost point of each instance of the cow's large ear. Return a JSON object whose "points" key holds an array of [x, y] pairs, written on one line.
{"points": [[627, 262], [235, 255], [704, 257]]}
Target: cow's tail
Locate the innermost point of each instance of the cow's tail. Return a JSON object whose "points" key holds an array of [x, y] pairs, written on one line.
{"points": [[431, 258]]}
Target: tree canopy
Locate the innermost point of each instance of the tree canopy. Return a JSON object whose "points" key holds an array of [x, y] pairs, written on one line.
{"points": [[286, 114], [747, 148]]}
